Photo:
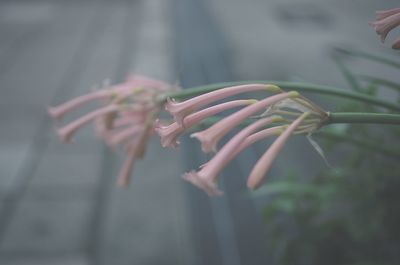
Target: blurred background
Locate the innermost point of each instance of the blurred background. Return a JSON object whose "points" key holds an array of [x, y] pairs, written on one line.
{"points": [[59, 204]]}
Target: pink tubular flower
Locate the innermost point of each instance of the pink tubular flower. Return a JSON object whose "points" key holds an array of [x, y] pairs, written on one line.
{"points": [[170, 133], [210, 137], [386, 13], [396, 44], [126, 116], [258, 136], [259, 171], [124, 175], [179, 110], [251, 139], [144, 81], [205, 179], [68, 131], [386, 21], [59, 111], [123, 135]]}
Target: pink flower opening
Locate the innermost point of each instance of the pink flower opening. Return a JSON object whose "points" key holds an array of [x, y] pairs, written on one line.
{"points": [[170, 133], [206, 177], [259, 171], [179, 110], [210, 137], [386, 21], [125, 118]]}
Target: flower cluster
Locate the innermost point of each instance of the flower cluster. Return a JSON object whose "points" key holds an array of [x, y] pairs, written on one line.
{"points": [[125, 117], [386, 21], [281, 114], [128, 116]]}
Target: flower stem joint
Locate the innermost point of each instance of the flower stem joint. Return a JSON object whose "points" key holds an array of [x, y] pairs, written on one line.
{"points": [[282, 114], [130, 114]]}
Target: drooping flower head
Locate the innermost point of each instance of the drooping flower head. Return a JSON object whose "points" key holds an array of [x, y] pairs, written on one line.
{"points": [[387, 20], [125, 117], [128, 114], [281, 114]]}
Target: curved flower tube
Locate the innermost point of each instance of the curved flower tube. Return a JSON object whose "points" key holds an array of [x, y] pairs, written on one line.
{"points": [[170, 133], [210, 137], [259, 171], [179, 110], [206, 178], [386, 21]]}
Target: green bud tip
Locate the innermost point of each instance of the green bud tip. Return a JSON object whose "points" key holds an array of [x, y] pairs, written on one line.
{"points": [[293, 94], [305, 114], [273, 88], [277, 119], [252, 101], [279, 131]]}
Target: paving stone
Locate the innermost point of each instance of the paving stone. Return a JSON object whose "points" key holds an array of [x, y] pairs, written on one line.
{"points": [[12, 157], [46, 260], [134, 231], [66, 171], [52, 218], [41, 227], [23, 12]]}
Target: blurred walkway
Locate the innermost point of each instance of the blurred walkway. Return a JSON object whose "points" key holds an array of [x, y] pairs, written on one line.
{"points": [[58, 202]]}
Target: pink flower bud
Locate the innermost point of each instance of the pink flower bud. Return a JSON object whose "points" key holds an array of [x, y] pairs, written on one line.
{"points": [[210, 137], [388, 22], [259, 171], [206, 178], [396, 44], [68, 131], [170, 133], [59, 111], [181, 109]]}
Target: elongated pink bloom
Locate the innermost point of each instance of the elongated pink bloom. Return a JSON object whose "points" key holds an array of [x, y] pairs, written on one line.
{"points": [[386, 13], [396, 44], [384, 25], [68, 131], [170, 133], [119, 91], [124, 135], [206, 178], [210, 137], [251, 139], [255, 137], [59, 111], [135, 150], [125, 118], [144, 81], [259, 171], [179, 110], [126, 170]]}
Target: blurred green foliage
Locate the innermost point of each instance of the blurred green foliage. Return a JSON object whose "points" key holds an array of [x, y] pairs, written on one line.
{"points": [[347, 215]]}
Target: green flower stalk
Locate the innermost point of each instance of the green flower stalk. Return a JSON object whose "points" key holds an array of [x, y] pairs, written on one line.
{"points": [[132, 114]]}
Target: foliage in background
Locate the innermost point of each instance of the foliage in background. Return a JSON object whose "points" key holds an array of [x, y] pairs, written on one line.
{"points": [[347, 215]]}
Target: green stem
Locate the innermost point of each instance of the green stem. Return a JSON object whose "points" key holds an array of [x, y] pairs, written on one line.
{"points": [[352, 117], [381, 81], [347, 74], [361, 143], [302, 87], [340, 117], [369, 56]]}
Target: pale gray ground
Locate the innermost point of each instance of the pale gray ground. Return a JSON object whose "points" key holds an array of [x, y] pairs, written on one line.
{"points": [[58, 204]]}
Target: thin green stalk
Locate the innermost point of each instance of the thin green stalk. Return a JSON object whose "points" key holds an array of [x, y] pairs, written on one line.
{"points": [[302, 87], [380, 81], [372, 118], [369, 56], [361, 143], [348, 75], [340, 117]]}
